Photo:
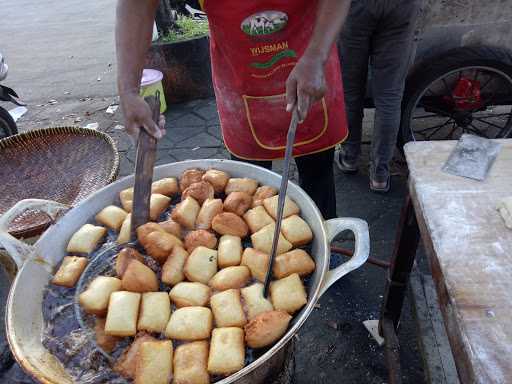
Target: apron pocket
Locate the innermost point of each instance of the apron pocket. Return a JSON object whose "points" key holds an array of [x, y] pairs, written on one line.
{"points": [[269, 121]]}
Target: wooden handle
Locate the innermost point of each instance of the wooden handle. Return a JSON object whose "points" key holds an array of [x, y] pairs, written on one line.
{"points": [[146, 153]]}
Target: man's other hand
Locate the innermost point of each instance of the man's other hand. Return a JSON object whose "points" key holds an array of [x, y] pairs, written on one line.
{"points": [[137, 115], [305, 85]]}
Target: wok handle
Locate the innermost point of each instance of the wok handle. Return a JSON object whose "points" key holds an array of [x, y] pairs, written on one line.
{"points": [[17, 249], [362, 247]]}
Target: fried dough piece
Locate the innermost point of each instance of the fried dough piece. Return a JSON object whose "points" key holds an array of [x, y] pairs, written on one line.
{"points": [[296, 231], [172, 270], [155, 311], [288, 294], [257, 262], [238, 203], [209, 209], [190, 176], [187, 294], [295, 261], [86, 239], [227, 351], [257, 218], [228, 223], [190, 324], [266, 328], [159, 245], [145, 229], [70, 271], [229, 251], [255, 302], [124, 257], [154, 362], [191, 363], [126, 197], [201, 265], [227, 309], [200, 237], [261, 194], [138, 277], [186, 212], [167, 186], [230, 277], [290, 208], [262, 240], [94, 300], [124, 232], [172, 227], [123, 311], [218, 179], [126, 363], [241, 185], [104, 341], [200, 191], [111, 217], [158, 203]]}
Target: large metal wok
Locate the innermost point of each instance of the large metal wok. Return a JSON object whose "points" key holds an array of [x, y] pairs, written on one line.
{"points": [[24, 318]]}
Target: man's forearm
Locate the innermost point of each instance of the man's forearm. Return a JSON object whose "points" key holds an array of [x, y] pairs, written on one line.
{"points": [[134, 26], [330, 17]]}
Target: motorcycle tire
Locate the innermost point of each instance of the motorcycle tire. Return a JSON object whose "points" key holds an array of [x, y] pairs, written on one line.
{"points": [[8, 126], [427, 72]]}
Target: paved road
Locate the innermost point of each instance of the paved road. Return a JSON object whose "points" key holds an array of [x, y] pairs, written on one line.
{"points": [[55, 46]]}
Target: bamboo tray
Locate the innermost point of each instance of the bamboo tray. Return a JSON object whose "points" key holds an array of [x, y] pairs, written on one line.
{"points": [[63, 164]]}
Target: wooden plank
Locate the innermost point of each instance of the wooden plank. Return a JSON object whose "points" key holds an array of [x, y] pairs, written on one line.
{"points": [[437, 354], [470, 251]]}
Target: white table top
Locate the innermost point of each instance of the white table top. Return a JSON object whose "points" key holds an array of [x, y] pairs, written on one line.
{"points": [[470, 250]]}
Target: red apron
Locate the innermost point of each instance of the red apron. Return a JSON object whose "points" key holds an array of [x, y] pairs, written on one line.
{"points": [[254, 46]]}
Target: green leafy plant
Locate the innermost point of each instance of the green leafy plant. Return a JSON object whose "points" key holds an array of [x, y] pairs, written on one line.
{"points": [[186, 28]]}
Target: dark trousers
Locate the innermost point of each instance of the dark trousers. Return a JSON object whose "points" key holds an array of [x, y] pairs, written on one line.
{"points": [[315, 177], [379, 33]]}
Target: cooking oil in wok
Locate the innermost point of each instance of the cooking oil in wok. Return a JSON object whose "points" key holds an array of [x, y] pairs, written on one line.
{"points": [[69, 332]]}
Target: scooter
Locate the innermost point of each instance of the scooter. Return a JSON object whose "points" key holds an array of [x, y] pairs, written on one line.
{"points": [[7, 124]]}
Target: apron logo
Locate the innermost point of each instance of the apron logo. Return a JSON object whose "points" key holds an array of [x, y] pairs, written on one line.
{"points": [[264, 23]]}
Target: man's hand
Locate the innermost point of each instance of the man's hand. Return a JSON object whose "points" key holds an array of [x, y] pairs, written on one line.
{"points": [[137, 115], [305, 85]]}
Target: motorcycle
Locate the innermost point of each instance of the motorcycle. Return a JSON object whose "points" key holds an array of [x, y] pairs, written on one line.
{"points": [[7, 124]]}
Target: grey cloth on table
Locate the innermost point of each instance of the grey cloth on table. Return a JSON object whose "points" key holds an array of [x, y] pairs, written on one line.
{"points": [[378, 34]]}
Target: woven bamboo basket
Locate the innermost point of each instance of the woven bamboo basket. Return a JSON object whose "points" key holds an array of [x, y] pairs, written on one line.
{"points": [[64, 164]]}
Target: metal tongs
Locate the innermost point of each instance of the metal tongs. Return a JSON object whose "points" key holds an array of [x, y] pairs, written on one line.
{"points": [[290, 140], [146, 154]]}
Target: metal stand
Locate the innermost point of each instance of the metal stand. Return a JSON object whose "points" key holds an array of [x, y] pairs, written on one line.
{"points": [[406, 244]]}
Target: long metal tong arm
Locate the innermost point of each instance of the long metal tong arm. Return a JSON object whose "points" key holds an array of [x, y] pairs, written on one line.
{"points": [[146, 153], [290, 140]]}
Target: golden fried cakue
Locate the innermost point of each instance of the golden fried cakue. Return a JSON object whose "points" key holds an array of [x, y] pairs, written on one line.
{"points": [[199, 191], [228, 223], [218, 179], [70, 271], [209, 209]]}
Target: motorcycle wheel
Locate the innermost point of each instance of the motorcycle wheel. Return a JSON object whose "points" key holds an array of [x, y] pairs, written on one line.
{"points": [[7, 124], [429, 110]]}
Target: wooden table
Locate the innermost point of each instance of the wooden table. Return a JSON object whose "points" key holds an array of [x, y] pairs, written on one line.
{"points": [[470, 252]]}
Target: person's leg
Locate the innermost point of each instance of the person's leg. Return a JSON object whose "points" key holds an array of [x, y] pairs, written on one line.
{"points": [[317, 179], [354, 48], [262, 163], [392, 47]]}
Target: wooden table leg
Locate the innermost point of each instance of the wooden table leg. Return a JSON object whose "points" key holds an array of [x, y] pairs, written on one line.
{"points": [[406, 244]]}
